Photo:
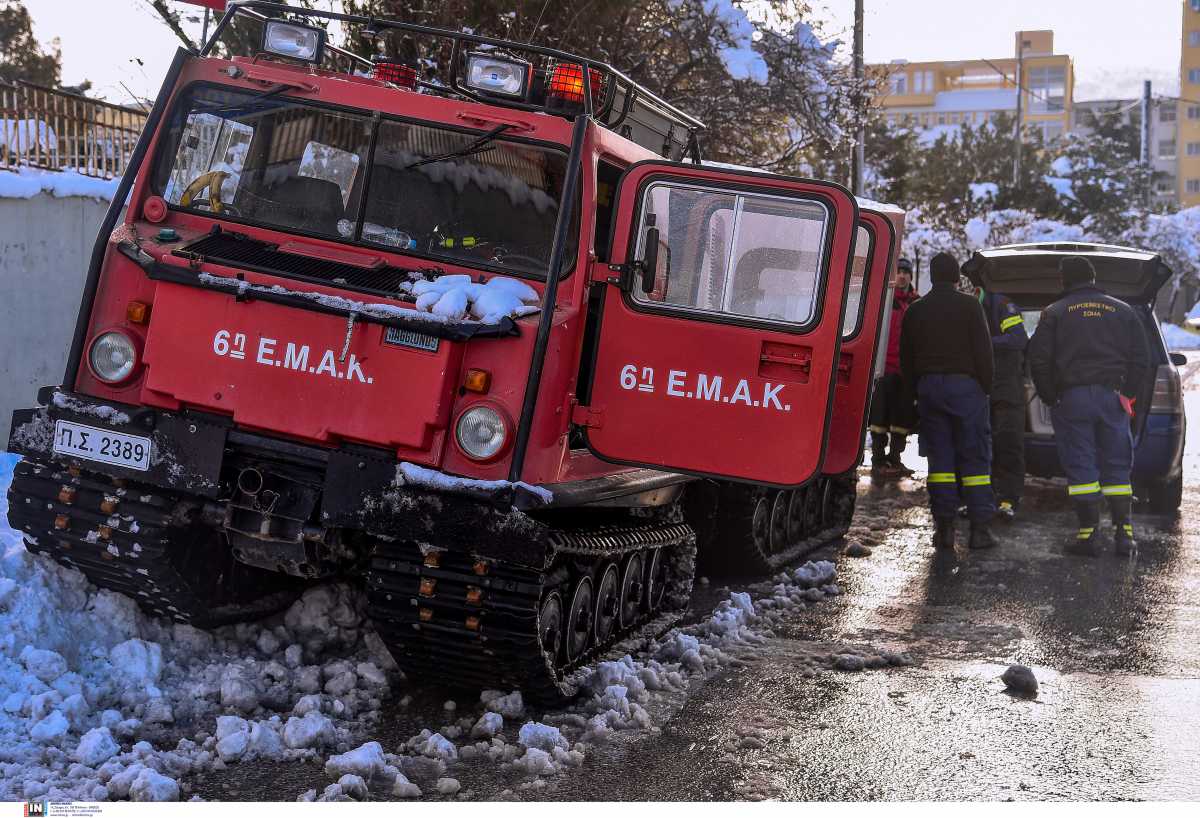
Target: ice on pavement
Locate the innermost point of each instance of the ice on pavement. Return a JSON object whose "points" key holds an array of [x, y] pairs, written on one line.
{"points": [[91, 688]]}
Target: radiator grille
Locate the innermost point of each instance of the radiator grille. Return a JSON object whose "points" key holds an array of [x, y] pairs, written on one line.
{"points": [[263, 257]]}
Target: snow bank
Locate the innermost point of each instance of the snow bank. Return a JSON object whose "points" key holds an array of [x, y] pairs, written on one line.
{"points": [[1178, 338], [25, 183]]}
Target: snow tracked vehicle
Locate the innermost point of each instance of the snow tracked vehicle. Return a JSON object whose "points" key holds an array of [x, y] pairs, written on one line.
{"points": [[492, 339]]}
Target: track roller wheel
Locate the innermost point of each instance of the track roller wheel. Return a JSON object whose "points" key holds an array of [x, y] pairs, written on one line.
{"points": [[795, 515], [656, 585], [550, 625], [607, 602], [579, 620], [779, 540], [632, 585]]}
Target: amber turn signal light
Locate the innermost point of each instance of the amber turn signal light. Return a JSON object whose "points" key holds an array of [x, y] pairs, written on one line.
{"points": [[137, 312], [478, 380]]}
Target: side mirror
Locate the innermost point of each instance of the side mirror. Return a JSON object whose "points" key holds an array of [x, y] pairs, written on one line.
{"points": [[650, 261], [1178, 358]]}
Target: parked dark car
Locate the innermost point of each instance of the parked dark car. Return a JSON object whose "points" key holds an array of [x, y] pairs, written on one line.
{"points": [[1028, 274]]}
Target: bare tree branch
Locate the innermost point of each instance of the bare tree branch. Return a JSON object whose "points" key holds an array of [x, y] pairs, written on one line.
{"points": [[171, 18]]}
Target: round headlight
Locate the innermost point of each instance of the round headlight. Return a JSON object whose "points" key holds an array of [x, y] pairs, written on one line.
{"points": [[112, 357], [481, 432]]}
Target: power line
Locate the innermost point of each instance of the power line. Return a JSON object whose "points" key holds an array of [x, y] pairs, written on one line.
{"points": [[1013, 80]]}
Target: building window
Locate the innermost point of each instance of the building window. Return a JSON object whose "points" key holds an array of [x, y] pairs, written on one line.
{"points": [[1194, 75], [922, 82], [1165, 186], [1195, 5], [1050, 130], [1192, 186], [1047, 88], [1166, 149], [1194, 38], [1193, 149], [898, 82], [1193, 112], [1167, 112]]}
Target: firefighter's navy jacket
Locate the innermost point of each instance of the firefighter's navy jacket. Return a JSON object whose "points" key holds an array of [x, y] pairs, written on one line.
{"points": [[1087, 338], [1005, 322]]}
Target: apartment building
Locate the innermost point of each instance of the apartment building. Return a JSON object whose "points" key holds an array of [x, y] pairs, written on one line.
{"points": [[940, 96], [1164, 137], [1188, 114]]}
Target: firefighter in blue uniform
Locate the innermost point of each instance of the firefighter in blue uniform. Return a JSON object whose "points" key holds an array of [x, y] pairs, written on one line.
{"points": [[1088, 358], [1009, 340], [946, 357]]}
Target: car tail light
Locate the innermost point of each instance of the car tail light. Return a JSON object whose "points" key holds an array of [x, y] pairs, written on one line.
{"points": [[1168, 395], [398, 74]]}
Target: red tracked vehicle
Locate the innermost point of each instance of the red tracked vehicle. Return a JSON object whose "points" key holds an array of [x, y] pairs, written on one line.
{"points": [[495, 341]]}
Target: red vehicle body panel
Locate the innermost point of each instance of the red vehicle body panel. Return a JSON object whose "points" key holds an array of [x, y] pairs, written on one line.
{"points": [[856, 364], [774, 432]]}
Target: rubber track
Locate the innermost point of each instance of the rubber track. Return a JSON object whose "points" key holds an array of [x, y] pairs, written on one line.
{"points": [[126, 551], [505, 652]]}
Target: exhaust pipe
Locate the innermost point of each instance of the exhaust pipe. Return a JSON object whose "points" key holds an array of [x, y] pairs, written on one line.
{"points": [[250, 481]]}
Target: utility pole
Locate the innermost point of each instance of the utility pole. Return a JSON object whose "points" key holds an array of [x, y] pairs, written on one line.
{"points": [[859, 157], [1017, 131], [1145, 153]]}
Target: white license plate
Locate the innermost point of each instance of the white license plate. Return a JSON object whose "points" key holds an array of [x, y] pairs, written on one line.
{"points": [[102, 445]]}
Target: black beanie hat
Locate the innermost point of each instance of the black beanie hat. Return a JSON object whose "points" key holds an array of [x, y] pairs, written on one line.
{"points": [[904, 265], [1076, 270], [943, 269]]}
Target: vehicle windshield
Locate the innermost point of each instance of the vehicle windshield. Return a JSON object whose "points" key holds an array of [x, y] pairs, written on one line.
{"points": [[425, 190]]}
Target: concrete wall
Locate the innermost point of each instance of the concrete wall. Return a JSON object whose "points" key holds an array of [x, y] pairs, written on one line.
{"points": [[45, 244]]}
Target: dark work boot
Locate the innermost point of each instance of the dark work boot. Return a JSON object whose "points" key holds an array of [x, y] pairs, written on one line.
{"points": [[1121, 509], [943, 533], [878, 451], [1083, 542], [896, 446], [981, 535]]}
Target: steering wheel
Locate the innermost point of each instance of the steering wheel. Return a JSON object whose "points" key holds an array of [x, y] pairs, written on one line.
{"points": [[212, 180]]}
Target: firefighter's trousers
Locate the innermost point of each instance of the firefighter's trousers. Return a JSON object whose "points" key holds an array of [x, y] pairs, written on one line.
{"points": [[1008, 427], [1095, 447], [956, 439]]}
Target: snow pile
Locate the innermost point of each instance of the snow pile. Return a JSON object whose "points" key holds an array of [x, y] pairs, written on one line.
{"points": [[1178, 338], [456, 296], [25, 183], [410, 474], [982, 191], [90, 686]]}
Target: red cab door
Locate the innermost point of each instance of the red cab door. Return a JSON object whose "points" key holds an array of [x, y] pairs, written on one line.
{"points": [[720, 323], [874, 256]]}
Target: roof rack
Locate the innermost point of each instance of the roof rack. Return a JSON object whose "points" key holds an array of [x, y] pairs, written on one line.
{"points": [[623, 105]]}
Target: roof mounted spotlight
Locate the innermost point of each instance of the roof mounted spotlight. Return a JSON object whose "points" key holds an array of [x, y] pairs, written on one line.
{"points": [[294, 41], [497, 76]]}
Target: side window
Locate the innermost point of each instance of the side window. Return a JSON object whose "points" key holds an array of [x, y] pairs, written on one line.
{"points": [[607, 177], [852, 319], [740, 254]]}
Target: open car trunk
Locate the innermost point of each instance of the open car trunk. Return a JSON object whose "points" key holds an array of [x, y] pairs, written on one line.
{"points": [[1028, 274]]}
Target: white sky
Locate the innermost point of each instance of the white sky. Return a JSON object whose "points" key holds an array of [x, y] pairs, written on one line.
{"points": [[1115, 43]]}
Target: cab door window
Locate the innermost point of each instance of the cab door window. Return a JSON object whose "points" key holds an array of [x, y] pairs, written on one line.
{"points": [[852, 319], [741, 255]]}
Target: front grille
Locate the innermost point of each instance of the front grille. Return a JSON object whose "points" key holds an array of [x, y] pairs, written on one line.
{"points": [[263, 257]]}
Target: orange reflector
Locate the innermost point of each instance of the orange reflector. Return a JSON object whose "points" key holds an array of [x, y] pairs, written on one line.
{"points": [[481, 568], [427, 586], [137, 312], [62, 521], [474, 595], [426, 614], [433, 559], [108, 505], [478, 380], [66, 495], [104, 531], [472, 623]]}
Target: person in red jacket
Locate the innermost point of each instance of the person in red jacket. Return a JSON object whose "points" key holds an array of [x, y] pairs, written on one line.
{"points": [[891, 421]]}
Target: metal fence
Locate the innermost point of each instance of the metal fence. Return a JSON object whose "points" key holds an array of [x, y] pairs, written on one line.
{"points": [[45, 128]]}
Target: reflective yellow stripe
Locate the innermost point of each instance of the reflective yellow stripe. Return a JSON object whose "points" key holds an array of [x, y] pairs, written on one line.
{"points": [[941, 477], [1084, 533], [879, 430], [899, 430], [1083, 488], [1128, 529], [977, 480], [1010, 322], [1116, 491]]}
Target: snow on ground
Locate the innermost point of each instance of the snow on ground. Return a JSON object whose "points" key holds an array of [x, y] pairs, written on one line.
{"points": [[1178, 338], [100, 702], [25, 183]]}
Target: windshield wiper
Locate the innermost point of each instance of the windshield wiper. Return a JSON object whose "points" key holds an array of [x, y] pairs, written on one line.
{"points": [[478, 146], [230, 107]]}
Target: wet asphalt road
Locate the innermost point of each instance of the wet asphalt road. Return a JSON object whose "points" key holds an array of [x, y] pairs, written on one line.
{"points": [[1113, 642]]}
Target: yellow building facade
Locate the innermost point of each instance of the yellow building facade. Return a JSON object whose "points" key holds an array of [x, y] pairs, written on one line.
{"points": [[1188, 114], [936, 97]]}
